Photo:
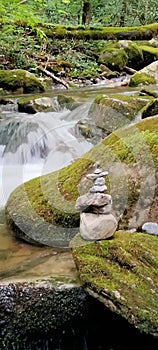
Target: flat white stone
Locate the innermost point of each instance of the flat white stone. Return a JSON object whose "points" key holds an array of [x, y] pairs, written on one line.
{"points": [[95, 227], [94, 176], [95, 189]]}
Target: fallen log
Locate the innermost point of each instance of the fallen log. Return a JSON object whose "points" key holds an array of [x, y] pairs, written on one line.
{"points": [[103, 33], [145, 32], [51, 75]]}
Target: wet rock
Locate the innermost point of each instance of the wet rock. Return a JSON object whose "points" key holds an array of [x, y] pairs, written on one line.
{"points": [[31, 310], [90, 131]]}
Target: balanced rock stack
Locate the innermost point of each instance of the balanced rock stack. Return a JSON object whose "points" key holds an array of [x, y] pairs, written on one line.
{"points": [[96, 220]]}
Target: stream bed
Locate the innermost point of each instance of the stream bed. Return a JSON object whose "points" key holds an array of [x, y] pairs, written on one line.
{"points": [[54, 146]]}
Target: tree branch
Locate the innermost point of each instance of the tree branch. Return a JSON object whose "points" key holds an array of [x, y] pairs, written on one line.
{"points": [[51, 75]]}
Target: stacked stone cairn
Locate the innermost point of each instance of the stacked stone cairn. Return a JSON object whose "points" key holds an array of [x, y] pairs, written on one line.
{"points": [[96, 219]]}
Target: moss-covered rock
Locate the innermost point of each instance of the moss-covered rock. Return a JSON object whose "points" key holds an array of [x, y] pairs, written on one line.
{"points": [[147, 75], [39, 104], [122, 273], [150, 54], [135, 55], [150, 109], [43, 208], [112, 112], [141, 78], [113, 57], [13, 80], [118, 54]]}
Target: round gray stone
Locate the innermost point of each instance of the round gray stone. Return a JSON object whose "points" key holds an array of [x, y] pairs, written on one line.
{"points": [[151, 228], [95, 227]]}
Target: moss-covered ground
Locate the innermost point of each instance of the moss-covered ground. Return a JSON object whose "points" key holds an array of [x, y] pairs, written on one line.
{"points": [[123, 272]]}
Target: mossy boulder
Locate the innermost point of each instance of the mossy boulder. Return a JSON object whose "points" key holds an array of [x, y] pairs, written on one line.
{"points": [[43, 209], [135, 54], [39, 104], [122, 274], [113, 57], [141, 78], [150, 54], [150, 109], [112, 112], [66, 102], [20, 80], [118, 54], [146, 76]]}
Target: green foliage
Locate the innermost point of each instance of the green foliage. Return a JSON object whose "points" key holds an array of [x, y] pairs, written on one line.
{"points": [[103, 13]]}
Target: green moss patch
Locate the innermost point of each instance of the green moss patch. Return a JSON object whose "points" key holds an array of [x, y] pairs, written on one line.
{"points": [[123, 273]]}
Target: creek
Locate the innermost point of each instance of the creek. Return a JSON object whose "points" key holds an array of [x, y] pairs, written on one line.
{"points": [[31, 146]]}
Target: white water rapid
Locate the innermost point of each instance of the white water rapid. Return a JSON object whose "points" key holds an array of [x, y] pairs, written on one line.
{"points": [[33, 145]]}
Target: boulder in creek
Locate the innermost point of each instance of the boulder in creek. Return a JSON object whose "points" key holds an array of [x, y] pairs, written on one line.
{"points": [[44, 208], [122, 274], [112, 112], [145, 76], [51, 104]]}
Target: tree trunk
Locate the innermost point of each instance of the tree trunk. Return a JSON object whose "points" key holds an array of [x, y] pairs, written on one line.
{"points": [[86, 12], [123, 13]]}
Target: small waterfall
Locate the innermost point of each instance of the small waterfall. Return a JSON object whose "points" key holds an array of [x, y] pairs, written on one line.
{"points": [[33, 145], [27, 138], [22, 140]]}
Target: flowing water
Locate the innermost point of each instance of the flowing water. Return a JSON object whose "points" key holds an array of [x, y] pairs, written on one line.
{"points": [[31, 146]]}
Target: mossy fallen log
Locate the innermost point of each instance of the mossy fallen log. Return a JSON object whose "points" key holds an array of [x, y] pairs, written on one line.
{"points": [[106, 33], [145, 32]]}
